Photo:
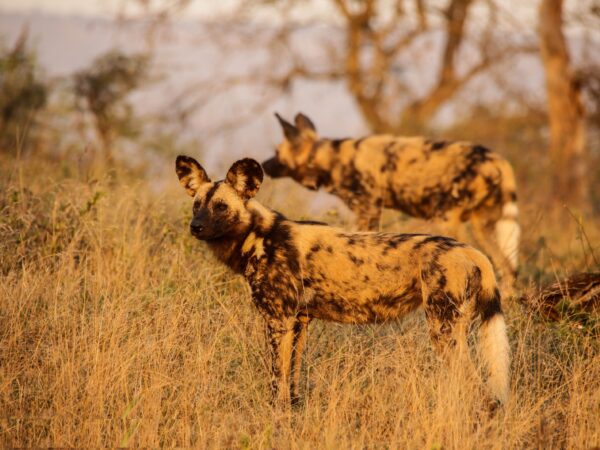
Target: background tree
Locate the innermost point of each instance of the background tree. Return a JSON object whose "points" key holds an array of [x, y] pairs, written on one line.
{"points": [[566, 112], [371, 79], [22, 94], [103, 88]]}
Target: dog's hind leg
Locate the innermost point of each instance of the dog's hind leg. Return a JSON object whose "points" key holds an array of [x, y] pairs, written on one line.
{"points": [[484, 229], [443, 320]]}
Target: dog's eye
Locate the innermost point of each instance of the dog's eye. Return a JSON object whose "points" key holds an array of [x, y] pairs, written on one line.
{"points": [[221, 207]]}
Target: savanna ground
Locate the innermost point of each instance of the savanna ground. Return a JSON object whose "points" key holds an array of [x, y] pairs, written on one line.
{"points": [[118, 329]]}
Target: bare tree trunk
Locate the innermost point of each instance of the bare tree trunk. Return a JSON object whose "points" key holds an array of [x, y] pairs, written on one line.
{"points": [[356, 80], [565, 108], [106, 133], [421, 111], [359, 32]]}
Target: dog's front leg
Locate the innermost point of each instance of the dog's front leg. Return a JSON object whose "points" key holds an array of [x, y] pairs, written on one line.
{"points": [[300, 329], [280, 333]]}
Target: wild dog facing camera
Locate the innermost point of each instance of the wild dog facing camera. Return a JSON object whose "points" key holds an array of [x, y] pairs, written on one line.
{"points": [[219, 208]]}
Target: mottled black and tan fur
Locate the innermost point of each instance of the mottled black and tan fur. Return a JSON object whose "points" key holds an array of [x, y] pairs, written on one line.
{"points": [[299, 271], [452, 182]]}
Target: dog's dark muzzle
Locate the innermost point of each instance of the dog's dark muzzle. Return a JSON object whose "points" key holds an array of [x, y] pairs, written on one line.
{"points": [[200, 228], [274, 168], [196, 226]]}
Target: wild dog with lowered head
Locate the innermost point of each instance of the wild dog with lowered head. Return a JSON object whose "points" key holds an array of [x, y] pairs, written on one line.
{"points": [[449, 181], [299, 271]]}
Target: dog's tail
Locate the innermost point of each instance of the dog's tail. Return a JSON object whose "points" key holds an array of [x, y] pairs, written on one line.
{"points": [[508, 231], [493, 340]]}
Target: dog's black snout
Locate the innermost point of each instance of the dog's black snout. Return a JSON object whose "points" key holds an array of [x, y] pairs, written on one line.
{"points": [[196, 226], [272, 167]]}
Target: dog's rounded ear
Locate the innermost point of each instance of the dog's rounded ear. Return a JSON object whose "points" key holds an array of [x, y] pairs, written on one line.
{"points": [[304, 123], [291, 133], [245, 176], [191, 174]]}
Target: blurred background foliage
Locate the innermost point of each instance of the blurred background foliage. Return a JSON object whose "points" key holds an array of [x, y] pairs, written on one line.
{"points": [[23, 92], [102, 90]]}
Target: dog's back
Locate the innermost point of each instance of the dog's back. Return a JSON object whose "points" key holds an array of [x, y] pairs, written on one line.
{"points": [[366, 277], [420, 177]]}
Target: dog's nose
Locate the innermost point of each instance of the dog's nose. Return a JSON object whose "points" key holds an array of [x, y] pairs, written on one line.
{"points": [[271, 167], [196, 226]]}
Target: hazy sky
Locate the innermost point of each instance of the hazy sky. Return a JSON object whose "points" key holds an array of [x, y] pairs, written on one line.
{"points": [[196, 7], [101, 7]]}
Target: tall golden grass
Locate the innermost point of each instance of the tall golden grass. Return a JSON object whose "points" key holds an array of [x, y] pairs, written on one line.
{"points": [[118, 329]]}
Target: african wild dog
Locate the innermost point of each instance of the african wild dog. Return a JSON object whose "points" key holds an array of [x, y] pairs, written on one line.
{"points": [[449, 181], [298, 271]]}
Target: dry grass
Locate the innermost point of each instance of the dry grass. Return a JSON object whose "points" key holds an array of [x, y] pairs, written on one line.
{"points": [[117, 329]]}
